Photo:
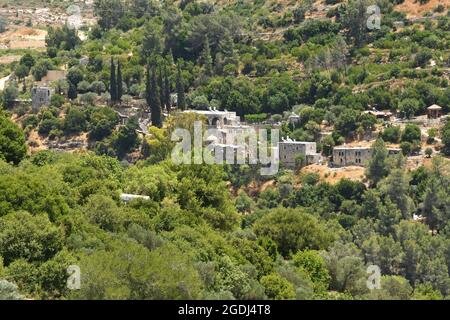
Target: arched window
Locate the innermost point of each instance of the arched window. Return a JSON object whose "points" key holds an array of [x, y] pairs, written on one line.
{"points": [[215, 122]]}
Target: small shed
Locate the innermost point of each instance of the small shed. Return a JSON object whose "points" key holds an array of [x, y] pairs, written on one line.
{"points": [[434, 111]]}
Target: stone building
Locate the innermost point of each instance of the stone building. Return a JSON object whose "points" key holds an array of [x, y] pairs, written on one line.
{"points": [[232, 136], [227, 123], [217, 118], [292, 152], [355, 156], [40, 96]]}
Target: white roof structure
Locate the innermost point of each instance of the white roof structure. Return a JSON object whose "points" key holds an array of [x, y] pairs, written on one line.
{"points": [[434, 107], [128, 197], [293, 141], [211, 112], [378, 113]]}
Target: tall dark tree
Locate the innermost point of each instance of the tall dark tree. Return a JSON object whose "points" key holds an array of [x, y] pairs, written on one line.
{"points": [[167, 101], [181, 101], [152, 95], [378, 167], [113, 83], [206, 58], [72, 93], [161, 87], [355, 21], [148, 86], [119, 82]]}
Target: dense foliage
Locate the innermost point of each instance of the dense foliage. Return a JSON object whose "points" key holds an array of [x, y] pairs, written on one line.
{"points": [[188, 241]]}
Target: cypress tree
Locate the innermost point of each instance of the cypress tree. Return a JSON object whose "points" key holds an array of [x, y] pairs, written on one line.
{"points": [[119, 82], [148, 86], [72, 93], [206, 58], [113, 83], [161, 87], [153, 99], [167, 101], [181, 102]]}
